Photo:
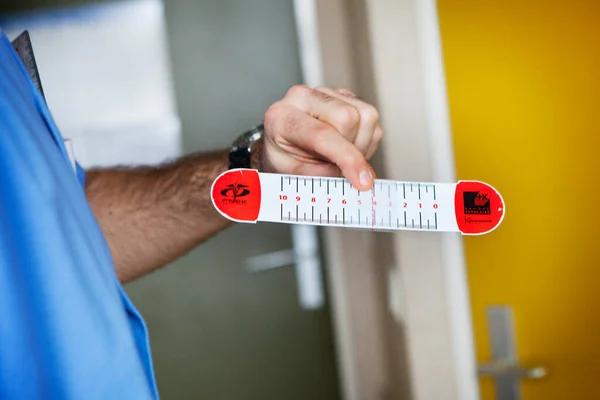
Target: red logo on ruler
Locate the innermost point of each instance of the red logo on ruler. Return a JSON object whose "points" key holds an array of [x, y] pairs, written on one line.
{"points": [[479, 208], [236, 194]]}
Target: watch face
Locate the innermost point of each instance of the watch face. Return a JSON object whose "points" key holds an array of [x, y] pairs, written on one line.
{"points": [[249, 137], [239, 156]]}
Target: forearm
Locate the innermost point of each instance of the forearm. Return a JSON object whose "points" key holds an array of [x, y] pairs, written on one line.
{"points": [[150, 216]]}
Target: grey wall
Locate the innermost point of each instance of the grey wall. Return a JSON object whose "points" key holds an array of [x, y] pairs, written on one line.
{"points": [[244, 334], [228, 49]]}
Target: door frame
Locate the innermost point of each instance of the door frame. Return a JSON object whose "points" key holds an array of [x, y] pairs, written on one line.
{"points": [[409, 333], [358, 323]]}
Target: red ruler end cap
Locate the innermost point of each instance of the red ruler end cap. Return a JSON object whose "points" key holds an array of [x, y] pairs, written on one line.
{"points": [[236, 195], [479, 207]]}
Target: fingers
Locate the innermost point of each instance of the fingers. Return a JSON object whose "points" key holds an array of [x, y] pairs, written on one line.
{"points": [[375, 141], [346, 92], [334, 110], [301, 135], [323, 131], [369, 119]]}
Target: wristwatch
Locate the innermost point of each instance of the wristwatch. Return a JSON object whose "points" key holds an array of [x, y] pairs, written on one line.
{"points": [[240, 153]]}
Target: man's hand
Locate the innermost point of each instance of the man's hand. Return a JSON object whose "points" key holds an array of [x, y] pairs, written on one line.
{"points": [[322, 132], [151, 216]]}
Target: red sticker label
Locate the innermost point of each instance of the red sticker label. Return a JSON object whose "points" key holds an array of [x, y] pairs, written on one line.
{"points": [[236, 194], [479, 207]]}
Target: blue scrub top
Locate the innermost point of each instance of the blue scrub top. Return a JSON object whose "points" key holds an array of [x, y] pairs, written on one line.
{"points": [[67, 328]]}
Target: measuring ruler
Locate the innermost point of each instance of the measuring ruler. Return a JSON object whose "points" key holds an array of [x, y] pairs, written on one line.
{"points": [[23, 47], [468, 207]]}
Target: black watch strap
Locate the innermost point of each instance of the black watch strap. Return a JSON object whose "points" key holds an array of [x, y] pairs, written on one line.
{"points": [[240, 155]]}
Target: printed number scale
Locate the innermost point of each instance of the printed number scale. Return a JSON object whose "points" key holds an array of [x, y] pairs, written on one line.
{"points": [[468, 207]]}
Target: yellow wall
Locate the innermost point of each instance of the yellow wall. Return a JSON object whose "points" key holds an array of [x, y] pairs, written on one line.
{"points": [[524, 93]]}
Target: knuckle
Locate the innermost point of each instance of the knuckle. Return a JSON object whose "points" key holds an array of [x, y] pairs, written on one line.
{"points": [[348, 115], [318, 138], [320, 96], [297, 90], [273, 113], [347, 92], [349, 160], [371, 114], [378, 135], [320, 141]]}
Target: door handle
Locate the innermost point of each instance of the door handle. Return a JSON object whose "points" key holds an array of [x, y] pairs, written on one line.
{"points": [[506, 368], [306, 259], [266, 261]]}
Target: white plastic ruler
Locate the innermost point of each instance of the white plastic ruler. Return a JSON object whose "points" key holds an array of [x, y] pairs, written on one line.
{"points": [[468, 207]]}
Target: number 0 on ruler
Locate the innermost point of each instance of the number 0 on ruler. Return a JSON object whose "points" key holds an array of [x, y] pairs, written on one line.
{"points": [[469, 207]]}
